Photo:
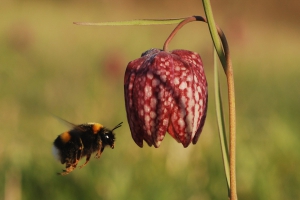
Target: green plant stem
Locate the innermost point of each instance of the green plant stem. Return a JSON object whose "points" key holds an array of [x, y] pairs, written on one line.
{"points": [[222, 50], [179, 26], [213, 31], [224, 56]]}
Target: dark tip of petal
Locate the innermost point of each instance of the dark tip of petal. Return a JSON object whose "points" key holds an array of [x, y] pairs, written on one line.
{"points": [[151, 52]]}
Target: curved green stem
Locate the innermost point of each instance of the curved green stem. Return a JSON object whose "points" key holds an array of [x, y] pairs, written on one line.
{"points": [[224, 56], [213, 31], [222, 49], [179, 26]]}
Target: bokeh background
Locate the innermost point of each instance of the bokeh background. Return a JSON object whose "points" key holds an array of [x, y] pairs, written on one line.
{"points": [[50, 66]]}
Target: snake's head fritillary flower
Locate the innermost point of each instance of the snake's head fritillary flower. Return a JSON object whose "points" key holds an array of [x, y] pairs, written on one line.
{"points": [[166, 92]]}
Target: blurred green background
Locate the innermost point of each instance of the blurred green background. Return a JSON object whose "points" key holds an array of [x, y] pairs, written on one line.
{"points": [[50, 66]]}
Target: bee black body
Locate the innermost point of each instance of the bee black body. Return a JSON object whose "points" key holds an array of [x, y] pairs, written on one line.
{"points": [[82, 141]]}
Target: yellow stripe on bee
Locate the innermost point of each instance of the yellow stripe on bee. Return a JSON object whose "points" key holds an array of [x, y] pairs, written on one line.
{"points": [[65, 137], [97, 127]]}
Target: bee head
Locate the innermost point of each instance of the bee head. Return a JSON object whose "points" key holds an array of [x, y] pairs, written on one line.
{"points": [[109, 136]]}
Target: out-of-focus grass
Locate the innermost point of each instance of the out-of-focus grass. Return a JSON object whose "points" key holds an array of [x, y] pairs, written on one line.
{"points": [[48, 65]]}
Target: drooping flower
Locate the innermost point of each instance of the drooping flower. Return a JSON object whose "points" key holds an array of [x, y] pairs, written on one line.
{"points": [[165, 92]]}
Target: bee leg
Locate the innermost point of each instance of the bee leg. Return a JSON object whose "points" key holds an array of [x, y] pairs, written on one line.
{"points": [[66, 171], [86, 161], [100, 150], [79, 153], [98, 154], [69, 167], [74, 164]]}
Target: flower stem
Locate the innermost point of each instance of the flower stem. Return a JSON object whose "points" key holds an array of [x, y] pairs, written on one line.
{"points": [[213, 31], [222, 49], [224, 56], [179, 26]]}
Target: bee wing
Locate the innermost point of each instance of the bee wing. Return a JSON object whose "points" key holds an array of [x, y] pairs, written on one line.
{"points": [[74, 126]]}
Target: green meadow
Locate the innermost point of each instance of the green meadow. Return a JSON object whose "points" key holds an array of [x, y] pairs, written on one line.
{"points": [[49, 66]]}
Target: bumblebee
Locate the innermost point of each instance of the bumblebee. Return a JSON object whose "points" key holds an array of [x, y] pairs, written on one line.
{"points": [[81, 141]]}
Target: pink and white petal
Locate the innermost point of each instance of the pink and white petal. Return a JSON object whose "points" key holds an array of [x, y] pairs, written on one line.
{"points": [[141, 92], [159, 81], [182, 117], [199, 88], [132, 116]]}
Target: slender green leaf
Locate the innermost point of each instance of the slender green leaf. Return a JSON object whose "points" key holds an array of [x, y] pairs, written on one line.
{"points": [[221, 123], [139, 22]]}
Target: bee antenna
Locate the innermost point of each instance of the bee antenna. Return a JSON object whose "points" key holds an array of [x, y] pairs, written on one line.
{"points": [[118, 126]]}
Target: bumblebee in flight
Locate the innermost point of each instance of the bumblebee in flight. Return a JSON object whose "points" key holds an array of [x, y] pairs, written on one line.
{"points": [[81, 141]]}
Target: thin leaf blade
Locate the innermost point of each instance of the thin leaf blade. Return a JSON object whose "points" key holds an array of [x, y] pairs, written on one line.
{"points": [[137, 22], [221, 122]]}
